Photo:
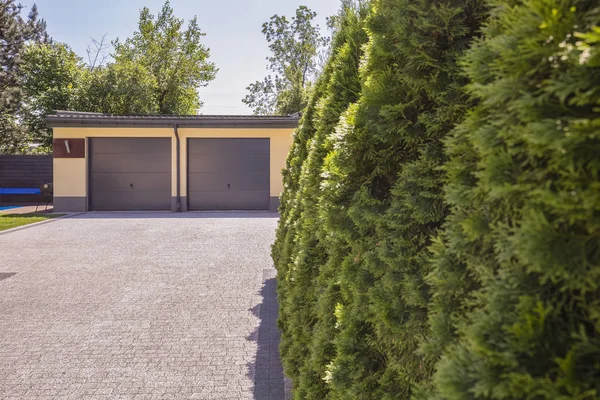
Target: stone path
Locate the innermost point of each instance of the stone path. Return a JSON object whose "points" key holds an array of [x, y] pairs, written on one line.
{"points": [[140, 306]]}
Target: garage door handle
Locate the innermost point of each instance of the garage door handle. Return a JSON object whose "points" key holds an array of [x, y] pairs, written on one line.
{"points": [[131, 186], [229, 186]]}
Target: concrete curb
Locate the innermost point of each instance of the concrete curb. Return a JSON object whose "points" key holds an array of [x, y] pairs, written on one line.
{"points": [[20, 228]]}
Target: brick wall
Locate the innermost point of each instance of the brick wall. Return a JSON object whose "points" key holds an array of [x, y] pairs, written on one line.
{"points": [[24, 172]]}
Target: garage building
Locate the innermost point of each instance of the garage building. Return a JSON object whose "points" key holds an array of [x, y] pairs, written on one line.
{"points": [[162, 162]]}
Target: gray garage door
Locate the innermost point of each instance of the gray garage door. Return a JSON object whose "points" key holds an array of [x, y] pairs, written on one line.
{"points": [[228, 174], [130, 174]]}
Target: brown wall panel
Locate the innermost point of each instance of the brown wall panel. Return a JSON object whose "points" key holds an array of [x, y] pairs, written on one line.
{"points": [[76, 147]]}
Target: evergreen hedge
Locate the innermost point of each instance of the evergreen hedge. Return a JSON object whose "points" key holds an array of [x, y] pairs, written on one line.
{"points": [[383, 195], [516, 272], [298, 251], [340, 235], [439, 226]]}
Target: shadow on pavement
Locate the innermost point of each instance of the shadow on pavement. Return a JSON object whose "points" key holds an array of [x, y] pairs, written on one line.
{"points": [[267, 370]]}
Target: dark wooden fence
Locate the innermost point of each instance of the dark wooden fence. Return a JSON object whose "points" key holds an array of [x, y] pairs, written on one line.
{"points": [[24, 172]]}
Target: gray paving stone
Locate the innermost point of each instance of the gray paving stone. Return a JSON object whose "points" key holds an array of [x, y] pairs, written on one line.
{"points": [[140, 306]]}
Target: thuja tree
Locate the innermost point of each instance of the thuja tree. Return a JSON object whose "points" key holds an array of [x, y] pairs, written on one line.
{"points": [[297, 253], [312, 347], [284, 247], [382, 197], [517, 270]]}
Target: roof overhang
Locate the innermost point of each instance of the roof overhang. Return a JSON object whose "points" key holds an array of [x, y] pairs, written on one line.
{"points": [[96, 120]]}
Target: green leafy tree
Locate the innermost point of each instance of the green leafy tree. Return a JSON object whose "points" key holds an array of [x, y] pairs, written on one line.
{"points": [[52, 73], [516, 311], [156, 71], [15, 33], [174, 57], [294, 46], [55, 78], [122, 87]]}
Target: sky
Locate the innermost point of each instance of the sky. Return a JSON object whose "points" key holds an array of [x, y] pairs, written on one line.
{"points": [[232, 27]]}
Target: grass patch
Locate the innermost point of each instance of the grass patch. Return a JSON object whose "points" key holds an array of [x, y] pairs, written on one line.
{"points": [[9, 221]]}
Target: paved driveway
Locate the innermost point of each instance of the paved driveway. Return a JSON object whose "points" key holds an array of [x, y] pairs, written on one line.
{"points": [[148, 306]]}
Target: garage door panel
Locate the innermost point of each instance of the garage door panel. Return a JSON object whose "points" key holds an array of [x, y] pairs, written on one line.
{"points": [[141, 181], [130, 174], [211, 182], [129, 145], [139, 162], [243, 164], [239, 163], [226, 200], [131, 200], [221, 146]]}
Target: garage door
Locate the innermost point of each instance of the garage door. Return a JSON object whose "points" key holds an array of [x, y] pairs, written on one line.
{"points": [[130, 174], [228, 174]]}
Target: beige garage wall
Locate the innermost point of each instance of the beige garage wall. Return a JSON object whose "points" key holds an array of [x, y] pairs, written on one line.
{"points": [[70, 175]]}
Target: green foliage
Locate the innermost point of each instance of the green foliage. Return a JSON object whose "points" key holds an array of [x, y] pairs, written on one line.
{"points": [[15, 33], [55, 78], [384, 192], [363, 198], [174, 57], [52, 73], [122, 87], [158, 70], [294, 46], [516, 307], [300, 251]]}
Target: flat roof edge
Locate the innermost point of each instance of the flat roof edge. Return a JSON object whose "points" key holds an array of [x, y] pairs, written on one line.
{"points": [[221, 123], [96, 124], [57, 121]]}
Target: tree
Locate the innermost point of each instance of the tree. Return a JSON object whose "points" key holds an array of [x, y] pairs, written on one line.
{"points": [[361, 208], [16, 32], [294, 46], [517, 267], [97, 52], [174, 57], [158, 70], [383, 200], [55, 78], [300, 249], [123, 87], [52, 73]]}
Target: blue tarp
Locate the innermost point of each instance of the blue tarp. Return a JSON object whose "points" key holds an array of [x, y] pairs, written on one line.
{"points": [[20, 191]]}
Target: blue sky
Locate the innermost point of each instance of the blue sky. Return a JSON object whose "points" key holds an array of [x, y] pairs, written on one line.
{"points": [[232, 27]]}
